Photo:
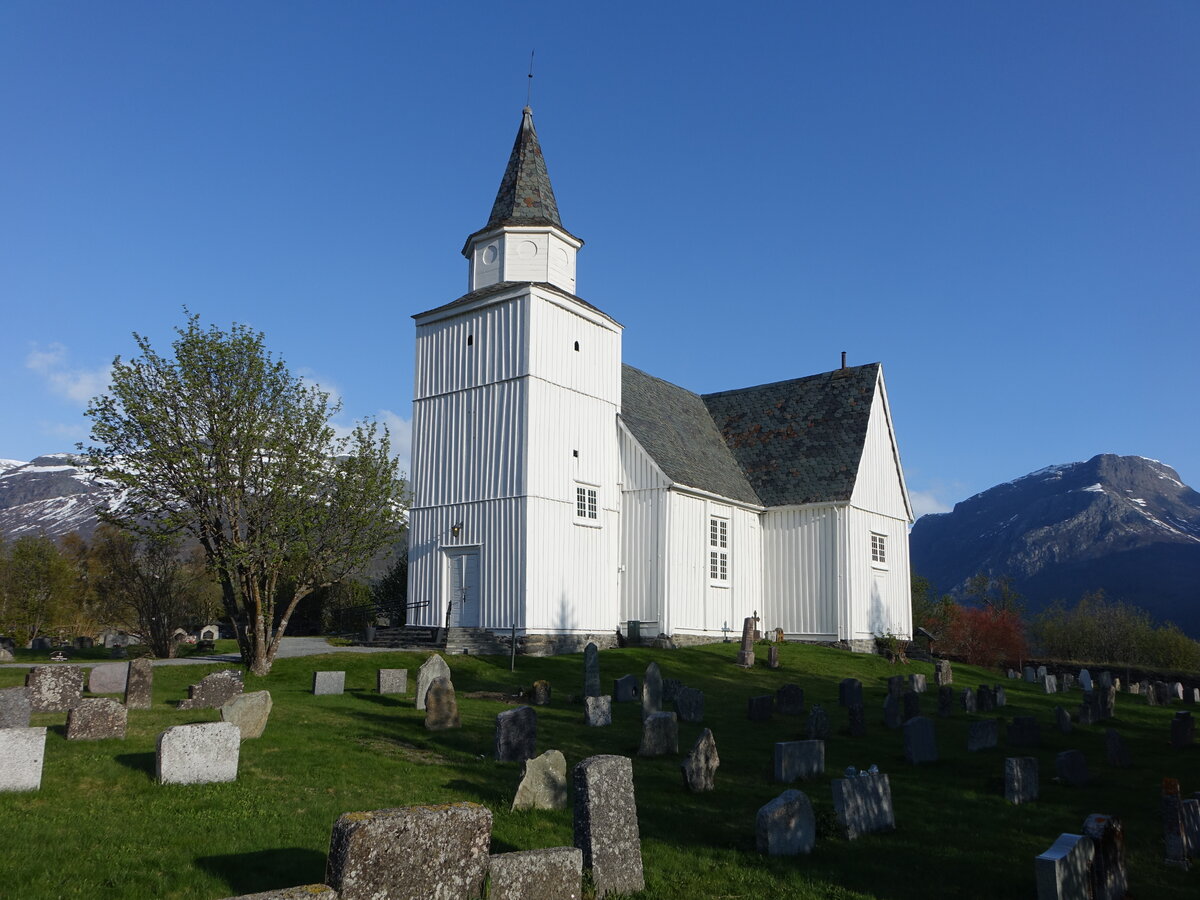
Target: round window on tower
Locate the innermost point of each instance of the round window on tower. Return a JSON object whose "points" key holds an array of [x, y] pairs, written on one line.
{"points": [[489, 254]]}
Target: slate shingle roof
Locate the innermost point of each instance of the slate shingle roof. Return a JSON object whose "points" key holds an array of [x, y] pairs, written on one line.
{"points": [[525, 196]]}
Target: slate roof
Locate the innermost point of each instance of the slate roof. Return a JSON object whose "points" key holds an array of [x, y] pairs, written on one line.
{"points": [[525, 196]]}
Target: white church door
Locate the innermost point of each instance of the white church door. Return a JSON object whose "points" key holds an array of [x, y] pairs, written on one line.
{"points": [[464, 588]]}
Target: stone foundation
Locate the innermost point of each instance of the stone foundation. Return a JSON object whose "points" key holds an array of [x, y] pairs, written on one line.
{"points": [[557, 644]]}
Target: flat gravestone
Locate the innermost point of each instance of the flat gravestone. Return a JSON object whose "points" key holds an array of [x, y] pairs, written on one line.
{"points": [[799, 759], [139, 687], [920, 741], [434, 667], [1029, 674], [818, 723], [441, 706], [392, 681], [325, 683], [967, 700], [15, 707], [249, 712], [516, 735], [1049, 684], [1115, 750], [760, 708], [108, 678], [699, 767], [301, 892], [689, 704], [856, 720], [96, 719], [892, 716], [786, 826], [1041, 672], [625, 689], [1085, 680], [198, 754], [1108, 878], [1063, 870], [1062, 719], [410, 853], [863, 805], [591, 671], [849, 692], [606, 825], [652, 691], [1072, 768], [22, 751], [597, 711], [540, 693], [946, 700], [543, 783], [1024, 732], [789, 700], [660, 735], [213, 691], [54, 688], [555, 873], [982, 734], [916, 682], [1021, 779]]}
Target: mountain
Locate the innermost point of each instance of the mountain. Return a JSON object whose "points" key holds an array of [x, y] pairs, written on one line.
{"points": [[52, 495], [1126, 525]]}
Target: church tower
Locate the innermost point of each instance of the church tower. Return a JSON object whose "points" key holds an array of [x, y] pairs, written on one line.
{"points": [[516, 501]]}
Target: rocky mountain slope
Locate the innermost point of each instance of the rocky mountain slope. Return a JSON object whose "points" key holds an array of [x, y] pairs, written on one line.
{"points": [[52, 495], [1123, 524]]}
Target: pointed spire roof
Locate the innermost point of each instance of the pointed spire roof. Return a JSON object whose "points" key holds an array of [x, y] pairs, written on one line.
{"points": [[525, 196]]}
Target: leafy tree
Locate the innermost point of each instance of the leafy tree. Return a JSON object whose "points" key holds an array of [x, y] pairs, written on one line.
{"points": [[223, 443], [987, 636], [928, 612], [36, 590], [390, 593]]}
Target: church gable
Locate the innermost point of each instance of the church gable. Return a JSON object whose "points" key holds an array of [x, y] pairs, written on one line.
{"points": [[880, 486]]}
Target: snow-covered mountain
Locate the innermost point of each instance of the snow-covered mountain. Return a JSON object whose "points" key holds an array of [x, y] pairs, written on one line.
{"points": [[52, 495]]}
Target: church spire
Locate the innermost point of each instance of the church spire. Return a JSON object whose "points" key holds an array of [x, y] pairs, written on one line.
{"points": [[525, 196]]}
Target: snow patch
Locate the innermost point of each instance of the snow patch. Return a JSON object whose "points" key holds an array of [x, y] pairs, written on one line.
{"points": [[1096, 488], [1138, 500]]}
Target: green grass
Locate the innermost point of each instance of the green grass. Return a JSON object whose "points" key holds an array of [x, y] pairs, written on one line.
{"points": [[100, 827]]}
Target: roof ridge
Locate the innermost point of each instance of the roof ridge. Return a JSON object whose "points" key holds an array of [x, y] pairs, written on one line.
{"points": [[769, 384]]}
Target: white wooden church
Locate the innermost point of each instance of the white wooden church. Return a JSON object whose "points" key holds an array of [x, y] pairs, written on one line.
{"points": [[560, 491]]}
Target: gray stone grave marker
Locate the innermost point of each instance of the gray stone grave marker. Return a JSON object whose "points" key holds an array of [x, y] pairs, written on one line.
{"points": [[773, 657], [96, 719], [198, 754], [554, 873], [516, 735], [15, 707], [597, 711], [916, 682], [1072, 768], [625, 689], [946, 700], [392, 681], [139, 686], [544, 783], [892, 714], [1062, 719], [982, 734], [745, 657], [54, 688], [856, 720], [1183, 731], [699, 767], [1029, 674], [1174, 836], [591, 670], [441, 706], [660, 735], [896, 686], [786, 826], [985, 699], [606, 825], [799, 759], [1117, 753], [1108, 879], [22, 751], [249, 712], [967, 700], [1085, 680], [652, 691], [1049, 684], [818, 723], [108, 678], [863, 805], [213, 691], [789, 700], [1021, 779], [849, 692], [1062, 871], [434, 667], [326, 683], [920, 741], [689, 704], [943, 673]]}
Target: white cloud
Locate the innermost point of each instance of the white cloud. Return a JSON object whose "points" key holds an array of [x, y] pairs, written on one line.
{"points": [[77, 385], [924, 502], [400, 430]]}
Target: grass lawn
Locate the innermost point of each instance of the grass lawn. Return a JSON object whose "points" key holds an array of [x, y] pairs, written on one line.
{"points": [[101, 827]]}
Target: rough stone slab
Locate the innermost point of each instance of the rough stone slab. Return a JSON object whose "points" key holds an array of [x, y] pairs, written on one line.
{"points": [[689, 704], [411, 853], [772, 657], [54, 688], [760, 708], [392, 681], [434, 667], [441, 706], [597, 711], [920, 741], [1040, 673], [108, 678], [555, 873], [544, 783], [15, 707], [249, 712], [625, 689], [606, 826], [214, 691], [660, 735], [700, 766], [817, 728], [1062, 871], [1175, 842], [786, 826], [303, 892], [916, 683], [1072, 768], [198, 754], [328, 683], [22, 751], [139, 687], [1108, 878], [799, 759], [591, 671], [541, 693], [943, 673], [652, 691], [516, 735], [983, 734], [97, 719], [849, 692], [863, 804], [789, 700], [1021, 779]]}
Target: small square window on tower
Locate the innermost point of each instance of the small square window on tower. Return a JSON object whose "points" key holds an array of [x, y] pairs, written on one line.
{"points": [[587, 507]]}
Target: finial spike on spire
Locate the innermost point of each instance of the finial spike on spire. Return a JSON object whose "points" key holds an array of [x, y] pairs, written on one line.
{"points": [[529, 84]]}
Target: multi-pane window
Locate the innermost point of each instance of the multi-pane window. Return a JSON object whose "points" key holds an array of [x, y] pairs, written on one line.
{"points": [[585, 502], [718, 549], [879, 549]]}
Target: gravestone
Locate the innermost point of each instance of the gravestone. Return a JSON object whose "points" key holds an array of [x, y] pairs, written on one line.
{"points": [[1183, 731], [591, 671], [54, 688], [1072, 768], [1147, 689], [660, 735], [516, 735], [1021, 779], [891, 711], [249, 712], [606, 825], [434, 667], [946, 700], [759, 709], [1066, 682], [789, 700], [943, 673], [1105, 679], [1163, 691], [15, 707], [920, 741], [1085, 680], [818, 723], [1108, 701], [652, 691], [118, 652], [911, 705], [540, 693], [745, 657], [392, 681], [325, 683], [108, 678], [863, 805], [916, 682], [897, 685], [22, 751], [198, 754], [799, 759], [1115, 749], [441, 706], [1049, 684], [1107, 879], [1174, 836], [1029, 674], [40, 643], [1041, 673], [1062, 871], [410, 853], [689, 704], [1089, 709], [1062, 719], [985, 699], [302, 892], [543, 783], [1194, 695], [213, 691], [139, 686], [597, 711], [670, 690], [1012, 674], [1024, 732], [548, 874], [625, 689], [699, 767], [850, 692], [5, 655], [1191, 824], [857, 720], [773, 657], [982, 734], [786, 826], [96, 719], [967, 700], [1000, 695]]}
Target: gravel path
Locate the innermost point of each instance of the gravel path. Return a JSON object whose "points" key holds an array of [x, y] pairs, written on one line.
{"points": [[288, 647]]}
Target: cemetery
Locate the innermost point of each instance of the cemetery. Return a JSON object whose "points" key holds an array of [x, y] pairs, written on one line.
{"points": [[705, 778]]}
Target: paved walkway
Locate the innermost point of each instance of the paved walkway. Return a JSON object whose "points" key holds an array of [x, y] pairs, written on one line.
{"points": [[288, 647]]}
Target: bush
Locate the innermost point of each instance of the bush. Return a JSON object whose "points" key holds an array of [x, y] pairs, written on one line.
{"points": [[985, 637]]}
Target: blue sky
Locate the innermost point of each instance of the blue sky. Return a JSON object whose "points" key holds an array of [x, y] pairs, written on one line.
{"points": [[998, 200]]}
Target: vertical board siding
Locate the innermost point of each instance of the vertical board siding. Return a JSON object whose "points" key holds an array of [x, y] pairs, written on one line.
{"points": [[880, 599], [572, 575], [687, 562], [800, 562], [446, 362], [570, 439], [638, 471], [593, 370], [642, 515], [746, 574], [878, 486]]}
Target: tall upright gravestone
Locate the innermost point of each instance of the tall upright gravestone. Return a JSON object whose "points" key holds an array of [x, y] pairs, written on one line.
{"points": [[652, 691], [516, 734], [591, 671], [139, 684], [434, 667], [606, 826], [745, 657]]}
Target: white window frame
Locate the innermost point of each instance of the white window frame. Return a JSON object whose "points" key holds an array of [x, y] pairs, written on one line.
{"points": [[879, 550], [587, 505], [719, 533]]}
